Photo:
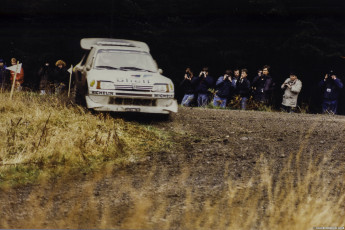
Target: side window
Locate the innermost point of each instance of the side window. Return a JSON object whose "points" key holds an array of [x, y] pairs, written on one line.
{"points": [[90, 58]]}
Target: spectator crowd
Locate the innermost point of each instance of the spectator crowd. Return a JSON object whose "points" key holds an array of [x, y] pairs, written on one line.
{"points": [[234, 86], [231, 88], [52, 79]]}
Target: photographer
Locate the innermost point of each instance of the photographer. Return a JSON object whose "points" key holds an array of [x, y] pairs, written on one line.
{"points": [[262, 85], [224, 86], [292, 87], [202, 83], [243, 88], [331, 86], [188, 88]]}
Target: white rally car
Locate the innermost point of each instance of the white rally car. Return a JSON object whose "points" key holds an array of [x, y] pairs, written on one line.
{"points": [[121, 76]]}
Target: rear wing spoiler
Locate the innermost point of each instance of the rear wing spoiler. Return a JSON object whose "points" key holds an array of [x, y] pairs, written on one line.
{"points": [[87, 43]]}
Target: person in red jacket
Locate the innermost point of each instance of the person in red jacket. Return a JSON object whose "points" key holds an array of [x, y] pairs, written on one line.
{"points": [[19, 79]]}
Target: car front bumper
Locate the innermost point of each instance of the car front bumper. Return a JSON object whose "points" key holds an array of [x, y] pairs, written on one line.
{"points": [[103, 103]]}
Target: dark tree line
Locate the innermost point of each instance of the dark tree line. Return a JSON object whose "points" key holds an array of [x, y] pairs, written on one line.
{"points": [[304, 36]]}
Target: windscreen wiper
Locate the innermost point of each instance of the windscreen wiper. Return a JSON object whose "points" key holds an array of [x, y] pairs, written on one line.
{"points": [[134, 68], [106, 67]]}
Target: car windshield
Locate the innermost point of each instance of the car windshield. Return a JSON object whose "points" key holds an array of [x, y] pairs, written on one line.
{"points": [[125, 60]]}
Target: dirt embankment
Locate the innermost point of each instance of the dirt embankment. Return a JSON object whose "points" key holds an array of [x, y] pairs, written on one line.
{"points": [[226, 169]]}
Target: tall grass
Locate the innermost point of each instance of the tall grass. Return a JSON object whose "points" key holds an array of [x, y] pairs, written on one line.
{"points": [[46, 135]]}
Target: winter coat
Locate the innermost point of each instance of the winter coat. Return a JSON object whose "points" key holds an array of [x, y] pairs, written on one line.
{"points": [[262, 84], [243, 87], [291, 94], [4, 76], [46, 77], [224, 87], [61, 76], [331, 88], [187, 86], [19, 77], [202, 84]]}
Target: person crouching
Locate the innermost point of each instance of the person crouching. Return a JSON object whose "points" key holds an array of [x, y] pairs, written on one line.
{"points": [[223, 86]]}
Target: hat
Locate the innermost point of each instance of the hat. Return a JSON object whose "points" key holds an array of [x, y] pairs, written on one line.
{"points": [[1, 60], [60, 62]]}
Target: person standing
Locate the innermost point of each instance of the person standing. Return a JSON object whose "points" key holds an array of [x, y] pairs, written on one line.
{"points": [[243, 88], [331, 86], [61, 77], [4, 75], [188, 88], [223, 86], [45, 74], [262, 85], [19, 78], [292, 87], [202, 84]]}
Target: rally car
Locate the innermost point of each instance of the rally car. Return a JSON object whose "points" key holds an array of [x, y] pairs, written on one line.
{"points": [[121, 75]]}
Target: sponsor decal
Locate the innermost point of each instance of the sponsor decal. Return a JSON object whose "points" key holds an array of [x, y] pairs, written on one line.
{"points": [[163, 95], [102, 93]]}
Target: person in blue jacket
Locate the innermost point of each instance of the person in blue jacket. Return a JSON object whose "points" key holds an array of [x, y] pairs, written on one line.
{"points": [[224, 88], [331, 86], [202, 83]]}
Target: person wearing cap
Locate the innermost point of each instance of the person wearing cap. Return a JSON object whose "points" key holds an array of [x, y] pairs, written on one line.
{"points": [[4, 75], [292, 87], [19, 79], [61, 77], [331, 86]]}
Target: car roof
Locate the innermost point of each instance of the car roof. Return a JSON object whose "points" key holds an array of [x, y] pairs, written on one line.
{"points": [[88, 43]]}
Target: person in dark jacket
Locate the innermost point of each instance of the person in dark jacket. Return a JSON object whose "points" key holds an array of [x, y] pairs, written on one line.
{"points": [[188, 88], [243, 88], [202, 83], [224, 88], [61, 77], [45, 73], [4, 75], [331, 86], [262, 85]]}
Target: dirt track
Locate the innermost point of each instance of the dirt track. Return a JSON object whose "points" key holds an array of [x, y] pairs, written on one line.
{"points": [[216, 150]]}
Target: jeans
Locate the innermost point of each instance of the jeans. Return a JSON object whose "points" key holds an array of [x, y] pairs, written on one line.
{"points": [[244, 103], [202, 99], [329, 106], [219, 101], [187, 99]]}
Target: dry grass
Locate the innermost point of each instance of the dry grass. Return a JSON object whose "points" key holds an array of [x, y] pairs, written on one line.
{"points": [[43, 134]]}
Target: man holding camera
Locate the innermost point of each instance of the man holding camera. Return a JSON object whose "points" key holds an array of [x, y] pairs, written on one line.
{"points": [[188, 88], [292, 87], [202, 84], [331, 86], [243, 88], [224, 86]]}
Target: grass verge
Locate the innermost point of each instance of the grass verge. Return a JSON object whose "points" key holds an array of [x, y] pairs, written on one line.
{"points": [[44, 136]]}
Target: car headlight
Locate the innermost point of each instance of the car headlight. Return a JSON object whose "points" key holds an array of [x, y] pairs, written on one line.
{"points": [[105, 85], [160, 88]]}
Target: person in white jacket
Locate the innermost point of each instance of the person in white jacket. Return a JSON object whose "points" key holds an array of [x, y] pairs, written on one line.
{"points": [[292, 87]]}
